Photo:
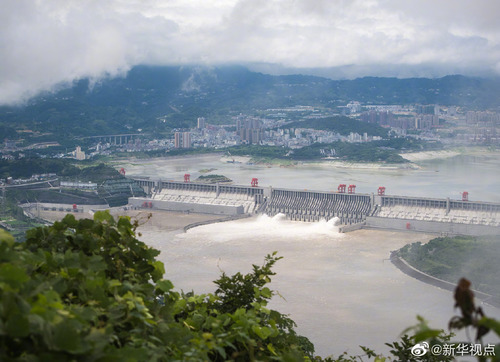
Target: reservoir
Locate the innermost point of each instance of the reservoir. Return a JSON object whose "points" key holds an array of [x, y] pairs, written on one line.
{"points": [[340, 289], [437, 178]]}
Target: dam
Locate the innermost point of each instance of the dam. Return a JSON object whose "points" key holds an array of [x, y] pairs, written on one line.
{"points": [[353, 210]]}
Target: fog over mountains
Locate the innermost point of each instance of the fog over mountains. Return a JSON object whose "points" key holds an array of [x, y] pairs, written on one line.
{"points": [[49, 42]]}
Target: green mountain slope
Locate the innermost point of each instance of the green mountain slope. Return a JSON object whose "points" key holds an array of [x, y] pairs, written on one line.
{"points": [[158, 99]]}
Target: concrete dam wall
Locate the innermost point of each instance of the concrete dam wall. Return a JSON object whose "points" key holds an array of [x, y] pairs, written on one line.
{"points": [[317, 205], [200, 198], [442, 216], [434, 215]]}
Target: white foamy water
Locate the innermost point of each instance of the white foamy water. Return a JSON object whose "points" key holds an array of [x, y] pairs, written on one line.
{"points": [[266, 227], [340, 288]]}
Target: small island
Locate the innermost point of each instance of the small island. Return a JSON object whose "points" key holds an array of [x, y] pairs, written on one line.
{"points": [[212, 179]]}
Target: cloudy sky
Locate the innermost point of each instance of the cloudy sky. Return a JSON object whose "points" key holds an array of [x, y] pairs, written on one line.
{"points": [[44, 43]]}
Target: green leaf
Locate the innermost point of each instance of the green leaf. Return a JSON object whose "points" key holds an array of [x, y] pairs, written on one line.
{"points": [[262, 332], [164, 285], [159, 270], [66, 336], [266, 292], [85, 224], [491, 323], [221, 351], [70, 220], [6, 237], [271, 349], [114, 283], [426, 334], [124, 225], [104, 216], [13, 275], [17, 325]]}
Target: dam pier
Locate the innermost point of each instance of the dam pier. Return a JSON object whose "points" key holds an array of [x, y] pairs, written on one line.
{"points": [[354, 210]]}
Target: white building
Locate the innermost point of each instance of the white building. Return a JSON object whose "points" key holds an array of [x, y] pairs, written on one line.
{"points": [[79, 154]]}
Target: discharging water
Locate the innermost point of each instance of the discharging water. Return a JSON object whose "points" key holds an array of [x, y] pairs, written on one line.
{"points": [[340, 289]]}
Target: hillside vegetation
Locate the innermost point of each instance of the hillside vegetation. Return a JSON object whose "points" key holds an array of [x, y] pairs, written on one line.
{"points": [[341, 125], [159, 99], [451, 258]]}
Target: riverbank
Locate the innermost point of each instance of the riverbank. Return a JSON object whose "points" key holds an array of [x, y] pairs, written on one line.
{"points": [[451, 258], [151, 220], [133, 161], [413, 159], [429, 155], [213, 221], [361, 165], [449, 153], [406, 268]]}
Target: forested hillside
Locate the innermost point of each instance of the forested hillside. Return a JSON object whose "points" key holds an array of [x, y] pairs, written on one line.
{"points": [[450, 258], [156, 99]]}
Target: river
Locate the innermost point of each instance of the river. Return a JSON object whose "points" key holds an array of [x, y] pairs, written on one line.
{"points": [[440, 178], [339, 288]]}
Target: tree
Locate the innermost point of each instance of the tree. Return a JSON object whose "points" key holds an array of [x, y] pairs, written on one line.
{"points": [[88, 289]]}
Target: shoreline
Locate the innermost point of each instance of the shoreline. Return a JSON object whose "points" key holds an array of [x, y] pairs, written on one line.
{"points": [[429, 155], [215, 221], [172, 158], [362, 165], [160, 220], [413, 272], [123, 162], [413, 159]]}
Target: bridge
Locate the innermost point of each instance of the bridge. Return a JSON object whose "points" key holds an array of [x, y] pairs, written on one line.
{"points": [[364, 210], [116, 139]]}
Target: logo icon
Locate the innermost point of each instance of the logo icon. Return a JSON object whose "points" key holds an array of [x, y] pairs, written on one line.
{"points": [[420, 349]]}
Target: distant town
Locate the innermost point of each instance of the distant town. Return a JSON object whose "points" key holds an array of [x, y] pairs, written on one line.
{"points": [[289, 128]]}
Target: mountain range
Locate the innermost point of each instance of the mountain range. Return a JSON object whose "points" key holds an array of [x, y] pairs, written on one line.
{"points": [[158, 99]]}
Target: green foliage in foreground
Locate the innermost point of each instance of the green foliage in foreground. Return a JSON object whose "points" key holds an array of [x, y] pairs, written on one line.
{"points": [[450, 258], [89, 290]]}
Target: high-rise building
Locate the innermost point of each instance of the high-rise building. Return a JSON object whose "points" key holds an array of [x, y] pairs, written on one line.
{"points": [[79, 154], [182, 140], [472, 117], [249, 130], [425, 109], [426, 121], [201, 123]]}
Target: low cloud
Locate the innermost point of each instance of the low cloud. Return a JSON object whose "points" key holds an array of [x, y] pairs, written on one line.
{"points": [[48, 43]]}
